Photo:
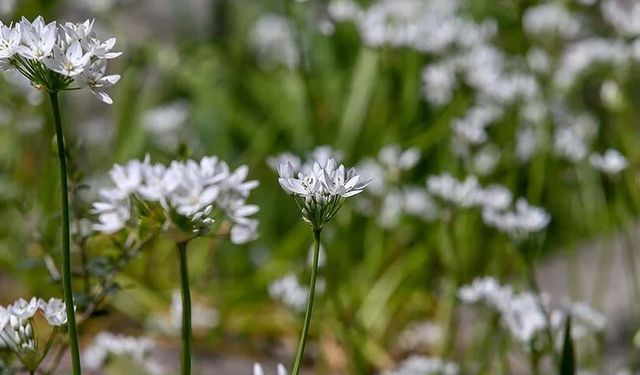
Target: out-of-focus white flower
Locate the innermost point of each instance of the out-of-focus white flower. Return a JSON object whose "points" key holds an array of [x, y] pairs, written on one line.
{"points": [[624, 16], [439, 83], [418, 203], [484, 161], [610, 94], [418, 336], [496, 197], [538, 60], [287, 290], [568, 143], [521, 222], [106, 344], [54, 311], [320, 192], [611, 162], [526, 143], [586, 53], [393, 157], [272, 38], [164, 123], [451, 190], [257, 369], [550, 19], [421, 365]]}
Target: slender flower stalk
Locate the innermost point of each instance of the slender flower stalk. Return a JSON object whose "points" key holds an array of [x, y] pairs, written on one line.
{"points": [[66, 250], [185, 358], [319, 193], [307, 315]]}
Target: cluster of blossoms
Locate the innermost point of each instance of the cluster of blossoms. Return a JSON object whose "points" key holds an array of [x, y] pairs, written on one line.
{"points": [[468, 193], [523, 220], [522, 313], [17, 327], [179, 196], [421, 365], [273, 40], [321, 191], [53, 56], [420, 336], [387, 195], [106, 345], [611, 162]]}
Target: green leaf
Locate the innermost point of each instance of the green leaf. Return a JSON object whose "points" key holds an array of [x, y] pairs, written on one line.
{"points": [[568, 361]]}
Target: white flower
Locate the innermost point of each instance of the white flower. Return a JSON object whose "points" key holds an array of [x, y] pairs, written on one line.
{"points": [[287, 290], [38, 38], [93, 77], [419, 336], [393, 157], [550, 18], [612, 162], [23, 309], [272, 38], [54, 311], [522, 221], [257, 369], [105, 344], [459, 193], [70, 62], [10, 38]]}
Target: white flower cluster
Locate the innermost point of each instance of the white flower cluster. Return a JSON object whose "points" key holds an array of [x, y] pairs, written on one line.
{"points": [[165, 122], [420, 336], [273, 40], [287, 290], [181, 192], [320, 154], [519, 223], [624, 16], [16, 322], [611, 162], [550, 19], [321, 191], [107, 344], [387, 196], [257, 369], [431, 26], [421, 365], [468, 193], [54, 55], [522, 315]]}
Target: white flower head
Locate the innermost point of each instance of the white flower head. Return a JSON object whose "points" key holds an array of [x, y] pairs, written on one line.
{"points": [[611, 162], [320, 192], [521, 222]]}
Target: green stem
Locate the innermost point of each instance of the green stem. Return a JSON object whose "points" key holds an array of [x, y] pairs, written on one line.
{"points": [[185, 359], [307, 315], [66, 250]]}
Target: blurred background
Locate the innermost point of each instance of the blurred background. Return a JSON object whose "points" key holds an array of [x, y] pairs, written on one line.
{"points": [[541, 97]]}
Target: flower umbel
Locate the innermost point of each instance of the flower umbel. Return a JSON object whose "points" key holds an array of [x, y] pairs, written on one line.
{"points": [[53, 56], [320, 192]]}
